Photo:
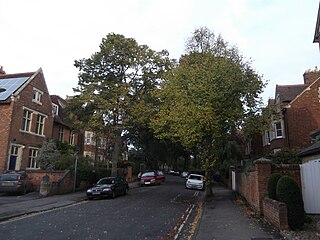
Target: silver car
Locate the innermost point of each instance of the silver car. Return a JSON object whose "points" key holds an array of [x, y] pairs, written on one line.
{"points": [[195, 181], [15, 182]]}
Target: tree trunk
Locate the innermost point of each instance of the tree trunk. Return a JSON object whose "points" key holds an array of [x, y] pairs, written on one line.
{"points": [[209, 185], [115, 155]]}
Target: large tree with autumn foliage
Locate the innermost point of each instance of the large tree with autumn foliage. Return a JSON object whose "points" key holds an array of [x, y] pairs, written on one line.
{"points": [[207, 97]]}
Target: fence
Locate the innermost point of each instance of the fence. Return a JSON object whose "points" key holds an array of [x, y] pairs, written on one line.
{"points": [[310, 179]]}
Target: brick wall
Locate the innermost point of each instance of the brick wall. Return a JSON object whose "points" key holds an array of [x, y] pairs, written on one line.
{"points": [[303, 117], [275, 213], [253, 185], [62, 181], [5, 119]]}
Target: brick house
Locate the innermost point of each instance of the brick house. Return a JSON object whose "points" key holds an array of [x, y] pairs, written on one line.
{"points": [[62, 130], [296, 115], [26, 119]]}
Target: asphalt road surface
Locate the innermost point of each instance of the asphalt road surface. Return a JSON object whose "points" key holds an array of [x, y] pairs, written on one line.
{"points": [[150, 212]]}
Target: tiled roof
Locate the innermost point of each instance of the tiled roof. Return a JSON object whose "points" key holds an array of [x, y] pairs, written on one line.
{"points": [[287, 93]]}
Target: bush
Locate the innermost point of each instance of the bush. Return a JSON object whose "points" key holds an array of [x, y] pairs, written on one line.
{"points": [[289, 193], [272, 185]]}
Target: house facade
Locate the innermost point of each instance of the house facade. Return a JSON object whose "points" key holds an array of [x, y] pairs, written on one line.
{"points": [[26, 119], [296, 114], [62, 130]]}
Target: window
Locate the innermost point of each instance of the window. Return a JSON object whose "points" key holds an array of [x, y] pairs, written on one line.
{"points": [[267, 138], [278, 129], [26, 120], [89, 136], [55, 109], [61, 134], [71, 138], [33, 153], [37, 94], [40, 124]]}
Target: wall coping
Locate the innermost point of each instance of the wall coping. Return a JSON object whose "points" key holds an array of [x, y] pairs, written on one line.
{"points": [[262, 161]]}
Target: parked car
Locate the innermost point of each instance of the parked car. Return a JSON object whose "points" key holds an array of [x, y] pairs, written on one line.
{"points": [[108, 187], [195, 181], [149, 178], [184, 174], [15, 182], [160, 176]]}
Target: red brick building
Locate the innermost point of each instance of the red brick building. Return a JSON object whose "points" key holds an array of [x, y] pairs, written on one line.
{"points": [[62, 130], [26, 119], [296, 116]]}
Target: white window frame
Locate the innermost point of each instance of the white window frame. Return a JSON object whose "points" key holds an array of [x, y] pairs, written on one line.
{"points": [[37, 94], [55, 109], [26, 120], [40, 124], [71, 138], [88, 138], [33, 163], [278, 132], [61, 134]]}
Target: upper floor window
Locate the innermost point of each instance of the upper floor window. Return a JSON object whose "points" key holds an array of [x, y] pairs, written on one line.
{"points": [[40, 124], [61, 134], [71, 138], [37, 94], [55, 109], [26, 120], [33, 153], [88, 139], [278, 129]]}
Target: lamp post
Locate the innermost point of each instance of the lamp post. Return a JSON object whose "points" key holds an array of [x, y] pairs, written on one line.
{"points": [[75, 173]]}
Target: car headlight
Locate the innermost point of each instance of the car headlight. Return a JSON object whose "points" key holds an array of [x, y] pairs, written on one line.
{"points": [[106, 189], [152, 180], [89, 190]]}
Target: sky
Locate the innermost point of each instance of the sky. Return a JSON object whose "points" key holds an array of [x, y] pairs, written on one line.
{"points": [[276, 35]]}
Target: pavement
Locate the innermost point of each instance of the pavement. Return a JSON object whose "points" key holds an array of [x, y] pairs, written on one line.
{"points": [[220, 217]]}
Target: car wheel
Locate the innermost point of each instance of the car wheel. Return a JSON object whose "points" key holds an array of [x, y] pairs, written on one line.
{"points": [[24, 191], [113, 194]]}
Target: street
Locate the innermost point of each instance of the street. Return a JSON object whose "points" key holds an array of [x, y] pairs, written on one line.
{"points": [[151, 212]]}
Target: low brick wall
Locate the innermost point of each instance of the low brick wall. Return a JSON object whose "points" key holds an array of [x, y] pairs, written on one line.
{"points": [[62, 181], [275, 212]]}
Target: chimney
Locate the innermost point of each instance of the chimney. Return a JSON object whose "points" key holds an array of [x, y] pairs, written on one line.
{"points": [[1, 70], [311, 75]]}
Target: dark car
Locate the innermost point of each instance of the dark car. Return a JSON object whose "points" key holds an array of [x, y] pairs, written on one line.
{"points": [[149, 178], [15, 182], [108, 187]]}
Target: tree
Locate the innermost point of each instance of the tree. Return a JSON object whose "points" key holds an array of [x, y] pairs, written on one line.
{"points": [[207, 97], [112, 87], [48, 155]]}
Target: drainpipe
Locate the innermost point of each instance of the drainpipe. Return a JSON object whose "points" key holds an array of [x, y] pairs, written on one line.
{"points": [[285, 117]]}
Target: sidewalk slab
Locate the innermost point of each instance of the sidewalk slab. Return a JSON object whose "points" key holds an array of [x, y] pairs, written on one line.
{"points": [[222, 219]]}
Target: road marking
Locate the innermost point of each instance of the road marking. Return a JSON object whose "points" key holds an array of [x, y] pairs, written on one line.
{"points": [[189, 210]]}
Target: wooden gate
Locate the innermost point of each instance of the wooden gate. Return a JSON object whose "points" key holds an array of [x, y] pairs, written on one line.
{"points": [[310, 179]]}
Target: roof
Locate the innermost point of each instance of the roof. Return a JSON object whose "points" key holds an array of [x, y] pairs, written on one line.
{"points": [[60, 118], [12, 83], [315, 148], [287, 93]]}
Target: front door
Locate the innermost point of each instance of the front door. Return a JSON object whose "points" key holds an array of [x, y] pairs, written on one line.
{"points": [[15, 158]]}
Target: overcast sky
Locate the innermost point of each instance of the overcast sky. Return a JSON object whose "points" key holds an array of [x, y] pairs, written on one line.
{"points": [[276, 34]]}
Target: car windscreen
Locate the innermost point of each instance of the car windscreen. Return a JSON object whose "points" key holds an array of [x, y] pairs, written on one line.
{"points": [[148, 174], [9, 177], [195, 177], [106, 181]]}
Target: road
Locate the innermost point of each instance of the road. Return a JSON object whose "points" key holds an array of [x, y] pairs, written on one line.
{"points": [[151, 212]]}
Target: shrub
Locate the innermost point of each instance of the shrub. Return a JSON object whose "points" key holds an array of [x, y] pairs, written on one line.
{"points": [[272, 185], [289, 193]]}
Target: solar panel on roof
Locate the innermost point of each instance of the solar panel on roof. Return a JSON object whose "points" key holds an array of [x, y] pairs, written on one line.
{"points": [[10, 85]]}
